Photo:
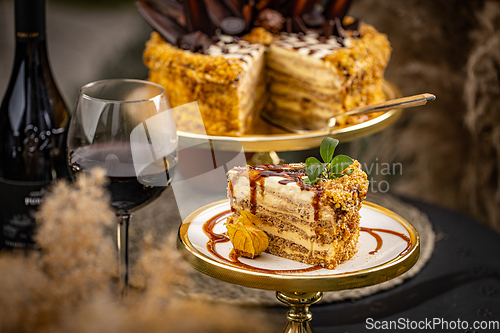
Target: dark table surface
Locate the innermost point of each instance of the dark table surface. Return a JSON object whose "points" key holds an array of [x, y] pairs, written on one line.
{"points": [[457, 289]]}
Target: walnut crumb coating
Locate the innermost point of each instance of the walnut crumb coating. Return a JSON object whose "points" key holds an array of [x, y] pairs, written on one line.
{"points": [[362, 66], [259, 35]]}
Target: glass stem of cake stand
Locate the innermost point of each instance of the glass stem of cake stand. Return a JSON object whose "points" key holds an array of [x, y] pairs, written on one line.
{"points": [[122, 242], [299, 317]]}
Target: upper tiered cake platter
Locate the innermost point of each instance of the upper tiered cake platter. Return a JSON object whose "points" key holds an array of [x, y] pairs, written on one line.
{"points": [[268, 138]]}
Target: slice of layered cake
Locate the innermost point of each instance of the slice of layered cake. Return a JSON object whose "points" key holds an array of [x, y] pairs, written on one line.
{"points": [[317, 224], [299, 62], [227, 81]]}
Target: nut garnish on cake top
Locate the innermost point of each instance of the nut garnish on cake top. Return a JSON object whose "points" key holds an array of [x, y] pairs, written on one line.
{"points": [[309, 211], [295, 60]]}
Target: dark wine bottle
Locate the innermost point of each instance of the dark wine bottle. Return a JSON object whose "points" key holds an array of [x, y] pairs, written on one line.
{"points": [[33, 129]]}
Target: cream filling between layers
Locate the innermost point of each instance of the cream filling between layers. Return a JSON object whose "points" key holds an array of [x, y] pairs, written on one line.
{"points": [[308, 230], [278, 204], [297, 107], [326, 96], [303, 67], [311, 246], [249, 91]]}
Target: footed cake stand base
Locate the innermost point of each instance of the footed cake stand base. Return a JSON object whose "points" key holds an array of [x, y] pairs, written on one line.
{"points": [[299, 317], [388, 247]]}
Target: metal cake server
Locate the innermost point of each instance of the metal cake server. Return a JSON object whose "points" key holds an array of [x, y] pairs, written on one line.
{"points": [[398, 103]]}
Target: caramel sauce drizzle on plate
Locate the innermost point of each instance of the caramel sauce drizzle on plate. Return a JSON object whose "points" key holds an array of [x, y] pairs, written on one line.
{"points": [[215, 238]]}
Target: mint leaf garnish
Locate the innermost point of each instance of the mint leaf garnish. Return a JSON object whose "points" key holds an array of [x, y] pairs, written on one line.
{"points": [[327, 149], [340, 163], [332, 167], [313, 169], [336, 175]]}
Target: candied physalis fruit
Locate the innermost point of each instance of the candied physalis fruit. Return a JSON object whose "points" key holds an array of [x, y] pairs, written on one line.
{"points": [[247, 240]]}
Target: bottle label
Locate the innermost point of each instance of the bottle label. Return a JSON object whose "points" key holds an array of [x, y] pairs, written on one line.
{"points": [[29, 19], [19, 203], [25, 35]]}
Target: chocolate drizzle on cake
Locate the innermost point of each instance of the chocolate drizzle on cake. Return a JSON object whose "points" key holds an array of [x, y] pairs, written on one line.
{"points": [[194, 24], [380, 242], [309, 44], [233, 47], [257, 173]]}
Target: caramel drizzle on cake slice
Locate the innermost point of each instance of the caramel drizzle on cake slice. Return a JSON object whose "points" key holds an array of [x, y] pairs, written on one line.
{"points": [[257, 173]]}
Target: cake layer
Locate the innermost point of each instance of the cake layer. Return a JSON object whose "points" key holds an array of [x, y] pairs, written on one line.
{"points": [[307, 68], [329, 259], [310, 204]]}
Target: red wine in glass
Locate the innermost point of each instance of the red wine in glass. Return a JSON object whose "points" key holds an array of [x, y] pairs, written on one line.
{"points": [[129, 191]]}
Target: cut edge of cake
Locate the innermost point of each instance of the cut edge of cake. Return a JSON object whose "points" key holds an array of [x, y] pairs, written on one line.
{"points": [[229, 87], [316, 225]]}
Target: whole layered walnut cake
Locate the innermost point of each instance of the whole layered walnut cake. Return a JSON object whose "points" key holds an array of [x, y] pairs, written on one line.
{"points": [[297, 61]]}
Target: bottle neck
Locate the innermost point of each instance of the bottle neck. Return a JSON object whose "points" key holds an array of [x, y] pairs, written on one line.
{"points": [[30, 21], [30, 35]]}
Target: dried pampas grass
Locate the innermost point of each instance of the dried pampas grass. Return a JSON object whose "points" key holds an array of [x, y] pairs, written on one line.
{"points": [[76, 254], [70, 285]]}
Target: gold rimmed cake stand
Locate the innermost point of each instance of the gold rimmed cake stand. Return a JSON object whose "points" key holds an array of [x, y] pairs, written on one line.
{"points": [[271, 139], [294, 284]]}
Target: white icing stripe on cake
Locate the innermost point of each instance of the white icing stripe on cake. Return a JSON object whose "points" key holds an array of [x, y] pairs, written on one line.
{"points": [[310, 44], [231, 47]]}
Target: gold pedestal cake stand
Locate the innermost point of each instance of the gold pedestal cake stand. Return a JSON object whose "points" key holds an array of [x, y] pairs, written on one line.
{"points": [[265, 139], [388, 246]]}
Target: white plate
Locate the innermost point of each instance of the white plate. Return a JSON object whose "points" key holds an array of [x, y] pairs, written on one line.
{"points": [[371, 217]]}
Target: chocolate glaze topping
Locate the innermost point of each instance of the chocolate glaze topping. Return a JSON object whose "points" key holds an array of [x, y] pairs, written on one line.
{"points": [[314, 18], [232, 25], [183, 24]]}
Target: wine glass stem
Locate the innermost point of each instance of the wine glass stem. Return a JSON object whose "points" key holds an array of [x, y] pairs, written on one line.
{"points": [[122, 241]]}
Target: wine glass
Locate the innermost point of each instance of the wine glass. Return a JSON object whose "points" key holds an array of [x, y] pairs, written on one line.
{"points": [[125, 127]]}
